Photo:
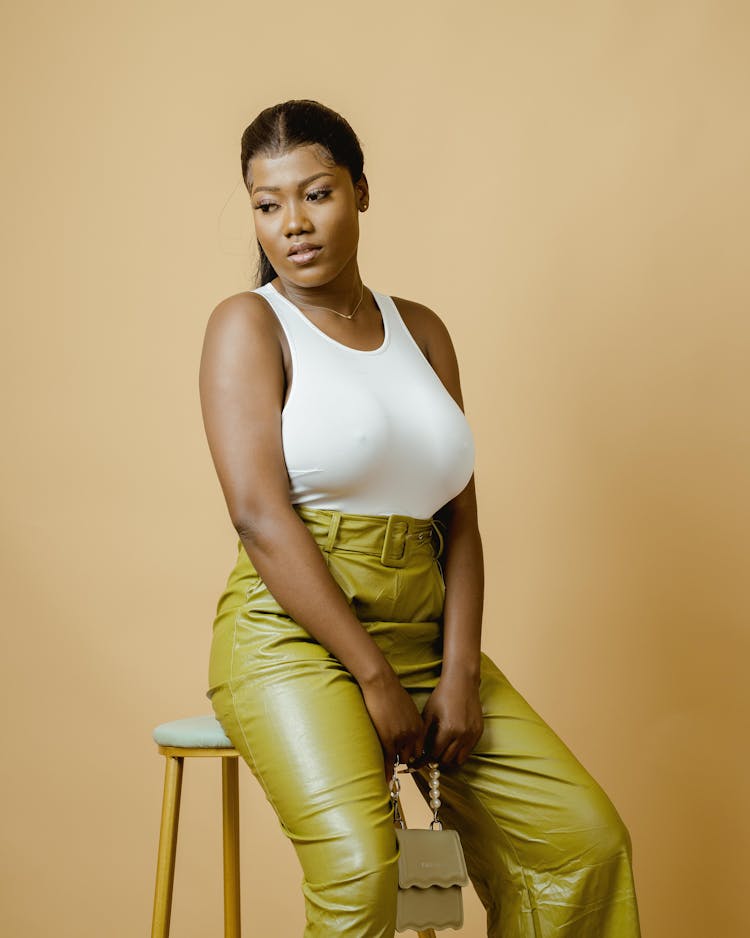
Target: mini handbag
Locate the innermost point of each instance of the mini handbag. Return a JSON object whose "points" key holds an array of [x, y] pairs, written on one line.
{"points": [[431, 867]]}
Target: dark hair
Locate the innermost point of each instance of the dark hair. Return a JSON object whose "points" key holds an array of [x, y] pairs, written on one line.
{"points": [[299, 123]]}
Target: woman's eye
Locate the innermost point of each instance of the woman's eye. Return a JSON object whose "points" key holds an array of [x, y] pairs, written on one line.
{"points": [[319, 194], [315, 195]]}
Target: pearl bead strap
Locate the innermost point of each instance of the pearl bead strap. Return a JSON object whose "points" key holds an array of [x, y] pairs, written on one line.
{"points": [[435, 802]]}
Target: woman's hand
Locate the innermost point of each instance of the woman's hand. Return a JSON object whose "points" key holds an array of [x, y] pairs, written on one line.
{"points": [[452, 720], [395, 718]]}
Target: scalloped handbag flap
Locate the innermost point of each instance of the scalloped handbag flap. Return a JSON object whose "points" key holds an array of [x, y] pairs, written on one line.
{"points": [[430, 858]]}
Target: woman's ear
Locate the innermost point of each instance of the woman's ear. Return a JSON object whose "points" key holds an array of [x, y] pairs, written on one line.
{"points": [[362, 191]]}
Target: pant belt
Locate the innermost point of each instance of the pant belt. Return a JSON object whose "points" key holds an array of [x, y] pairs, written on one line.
{"points": [[386, 536]]}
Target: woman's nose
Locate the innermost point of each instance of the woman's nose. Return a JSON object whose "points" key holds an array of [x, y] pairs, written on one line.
{"points": [[296, 218]]}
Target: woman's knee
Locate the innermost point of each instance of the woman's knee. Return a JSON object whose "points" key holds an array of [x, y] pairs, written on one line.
{"points": [[602, 828], [352, 891]]}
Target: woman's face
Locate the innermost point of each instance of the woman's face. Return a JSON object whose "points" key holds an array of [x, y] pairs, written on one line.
{"points": [[296, 198]]}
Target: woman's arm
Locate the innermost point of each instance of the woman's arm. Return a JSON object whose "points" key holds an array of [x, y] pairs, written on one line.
{"points": [[453, 714], [464, 580], [241, 389]]}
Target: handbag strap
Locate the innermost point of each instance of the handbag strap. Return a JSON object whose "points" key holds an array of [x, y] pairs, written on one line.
{"points": [[435, 802]]}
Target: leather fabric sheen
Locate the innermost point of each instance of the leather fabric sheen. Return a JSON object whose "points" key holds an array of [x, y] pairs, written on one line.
{"points": [[546, 850]]}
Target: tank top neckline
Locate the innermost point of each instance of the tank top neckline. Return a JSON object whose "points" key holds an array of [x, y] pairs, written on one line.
{"points": [[380, 302]]}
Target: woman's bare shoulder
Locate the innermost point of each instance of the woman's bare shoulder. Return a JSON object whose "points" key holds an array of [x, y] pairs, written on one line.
{"points": [[246, 320], [247, 307], [242, 339]]}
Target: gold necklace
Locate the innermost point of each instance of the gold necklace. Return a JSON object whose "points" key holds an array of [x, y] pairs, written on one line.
{"points": [[343, 315]]}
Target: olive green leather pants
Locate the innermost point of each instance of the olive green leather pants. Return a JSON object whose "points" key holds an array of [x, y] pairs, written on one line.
{"points": [[546, 850]]}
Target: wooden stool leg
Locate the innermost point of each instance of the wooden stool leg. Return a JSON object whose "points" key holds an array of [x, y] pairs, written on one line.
{"points": [[231, 825], [170, 818]]}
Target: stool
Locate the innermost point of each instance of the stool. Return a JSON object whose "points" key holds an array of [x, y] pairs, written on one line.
{"points": [[200, 737], [196, 737]]}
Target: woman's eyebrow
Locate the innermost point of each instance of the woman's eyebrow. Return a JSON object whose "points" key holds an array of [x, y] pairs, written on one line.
{"points": [[300, 185]]}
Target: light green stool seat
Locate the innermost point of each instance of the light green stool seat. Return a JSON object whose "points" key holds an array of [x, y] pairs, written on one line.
{"points": [[192, 733], [198, 737]]}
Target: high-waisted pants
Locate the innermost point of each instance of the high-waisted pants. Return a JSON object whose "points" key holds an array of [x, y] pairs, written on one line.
{"points": [[546, 850]]}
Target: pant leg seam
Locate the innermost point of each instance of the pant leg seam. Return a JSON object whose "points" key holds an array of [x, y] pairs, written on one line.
{"points": [[234, 704]]}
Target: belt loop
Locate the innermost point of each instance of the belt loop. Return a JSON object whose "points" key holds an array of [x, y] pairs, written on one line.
{"points": [[333, 530], [393, 553]]}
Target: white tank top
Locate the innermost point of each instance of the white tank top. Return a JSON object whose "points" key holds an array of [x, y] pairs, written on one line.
{"points": [[369, 432]]}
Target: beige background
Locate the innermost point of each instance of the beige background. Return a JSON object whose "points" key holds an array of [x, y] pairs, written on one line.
{"points": [[566, 184]]}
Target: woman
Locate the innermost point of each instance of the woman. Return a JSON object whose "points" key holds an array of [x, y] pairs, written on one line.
{"points": [[349, 630]]}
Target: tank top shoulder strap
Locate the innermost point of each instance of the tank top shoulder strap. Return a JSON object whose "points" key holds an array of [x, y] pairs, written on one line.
{"points": [[288, 317], [400, 334]]}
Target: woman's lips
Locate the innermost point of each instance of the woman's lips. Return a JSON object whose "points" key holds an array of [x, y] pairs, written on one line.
{"points": [[304, 257]]}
